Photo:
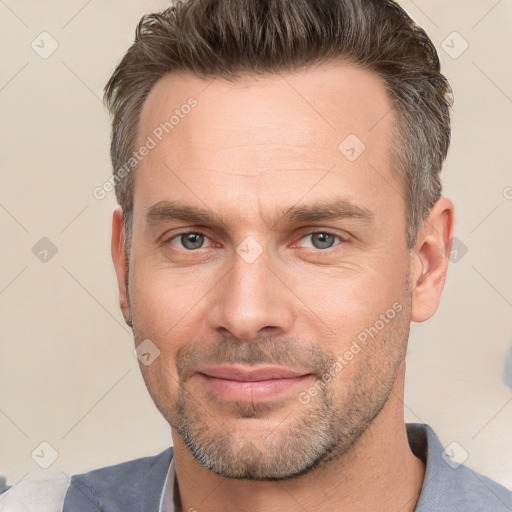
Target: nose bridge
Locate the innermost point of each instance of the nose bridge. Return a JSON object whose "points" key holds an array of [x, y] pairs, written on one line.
{"points": [[251, 297]]}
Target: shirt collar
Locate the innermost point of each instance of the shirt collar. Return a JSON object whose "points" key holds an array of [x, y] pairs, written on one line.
{"points": [[447, 486], [170, 487]]}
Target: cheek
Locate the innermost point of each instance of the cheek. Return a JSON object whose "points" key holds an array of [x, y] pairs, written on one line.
{"points": [[162, 310], [342, 302], [164, 301], [365, 330]]}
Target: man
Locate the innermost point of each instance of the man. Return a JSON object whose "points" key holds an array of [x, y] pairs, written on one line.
{"points": [[280, 225]]}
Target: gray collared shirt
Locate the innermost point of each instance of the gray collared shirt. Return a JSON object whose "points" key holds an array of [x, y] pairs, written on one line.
{"points": [[448, 486], [150, 485]]}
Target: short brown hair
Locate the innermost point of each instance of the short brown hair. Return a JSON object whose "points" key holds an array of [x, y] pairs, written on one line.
{"points": [[230, 38]]}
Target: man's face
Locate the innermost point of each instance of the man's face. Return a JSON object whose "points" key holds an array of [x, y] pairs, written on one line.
{"points": [[295, 259]]}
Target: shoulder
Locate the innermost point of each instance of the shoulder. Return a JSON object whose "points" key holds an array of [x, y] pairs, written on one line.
{"points": [[3, 484], [449, 486], [480, 491], [41, 491], [134, 485]]}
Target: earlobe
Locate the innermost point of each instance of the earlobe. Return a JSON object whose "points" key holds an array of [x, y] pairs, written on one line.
{"points": [[118, 250], [431, 256]]}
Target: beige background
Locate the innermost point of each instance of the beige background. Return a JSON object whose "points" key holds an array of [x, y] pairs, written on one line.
{"points": [[68, 376]]}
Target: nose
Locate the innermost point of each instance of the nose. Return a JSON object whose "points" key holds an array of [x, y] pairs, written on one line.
{"points": [[252, 300]]}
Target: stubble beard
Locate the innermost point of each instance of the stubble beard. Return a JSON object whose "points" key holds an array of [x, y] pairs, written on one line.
{"points": [[324, 430], [321, 431]]}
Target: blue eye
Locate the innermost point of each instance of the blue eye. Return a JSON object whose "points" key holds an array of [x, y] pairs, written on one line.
{"points": [[190, 241], [193, 240], [322, 239]]}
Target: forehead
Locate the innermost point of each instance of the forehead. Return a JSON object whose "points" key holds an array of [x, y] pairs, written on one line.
{"points": [[334, 96], [267, 139]]}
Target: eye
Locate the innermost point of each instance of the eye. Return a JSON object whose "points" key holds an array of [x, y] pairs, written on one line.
{"points": [[193, 240], [190, 241], [321, 240]]}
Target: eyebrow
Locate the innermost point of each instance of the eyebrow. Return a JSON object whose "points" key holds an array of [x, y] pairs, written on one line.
{"points": [[334, 209]]}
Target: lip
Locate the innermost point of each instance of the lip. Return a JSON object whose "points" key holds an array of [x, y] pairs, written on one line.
{"points": [[249, 384], [250, 374]]}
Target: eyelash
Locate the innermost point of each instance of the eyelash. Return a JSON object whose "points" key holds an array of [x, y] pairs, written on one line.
{"points": [[197, 232]]}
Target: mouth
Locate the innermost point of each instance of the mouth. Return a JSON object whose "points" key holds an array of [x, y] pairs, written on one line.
{"points": [[250, 384]]}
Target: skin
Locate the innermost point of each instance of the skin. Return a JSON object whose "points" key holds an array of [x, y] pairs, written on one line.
{"points": [[248, 152]]}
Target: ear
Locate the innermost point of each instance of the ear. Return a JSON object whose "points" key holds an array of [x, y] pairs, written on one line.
{"points": [[431, 256], [118, 249]]}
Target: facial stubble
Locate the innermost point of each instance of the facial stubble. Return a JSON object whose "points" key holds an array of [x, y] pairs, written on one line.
{"points": [[310, 436], [323, 430]]}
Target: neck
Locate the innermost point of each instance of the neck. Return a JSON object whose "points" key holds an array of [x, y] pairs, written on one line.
{"points": [[378, 472]]}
